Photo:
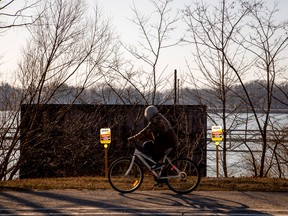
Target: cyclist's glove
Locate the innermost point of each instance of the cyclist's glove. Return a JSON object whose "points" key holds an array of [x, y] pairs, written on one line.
{"points": [[130, 140]]}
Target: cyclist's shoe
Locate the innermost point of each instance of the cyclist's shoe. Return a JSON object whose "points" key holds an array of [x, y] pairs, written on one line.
{"points": [[156, 166], [158, 183]]}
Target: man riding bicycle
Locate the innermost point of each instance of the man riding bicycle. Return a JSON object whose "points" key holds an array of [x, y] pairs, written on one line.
{"points": [[162, 133]]}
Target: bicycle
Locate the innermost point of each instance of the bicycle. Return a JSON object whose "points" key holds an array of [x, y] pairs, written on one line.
{"points": [[181, 175]]}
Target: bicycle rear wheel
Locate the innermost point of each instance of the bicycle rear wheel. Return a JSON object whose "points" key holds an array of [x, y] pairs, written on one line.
{"points": [[184, 176], [123, 181]]}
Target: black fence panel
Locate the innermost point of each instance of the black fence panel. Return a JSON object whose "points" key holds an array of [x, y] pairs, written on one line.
{"points": [[64, 140]]}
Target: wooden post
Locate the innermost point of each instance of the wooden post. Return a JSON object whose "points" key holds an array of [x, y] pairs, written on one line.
{"points": [[217, 160], [106, 160]]}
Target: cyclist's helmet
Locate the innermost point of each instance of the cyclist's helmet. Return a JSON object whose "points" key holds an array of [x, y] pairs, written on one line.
{"points": [[150, 111]]}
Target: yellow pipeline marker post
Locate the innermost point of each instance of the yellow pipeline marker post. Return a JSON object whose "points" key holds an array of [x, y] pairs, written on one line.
{"points": [[216, 137]]}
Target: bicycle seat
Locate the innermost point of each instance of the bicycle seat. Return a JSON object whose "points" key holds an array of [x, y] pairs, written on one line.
{"points": [[168, 151]]}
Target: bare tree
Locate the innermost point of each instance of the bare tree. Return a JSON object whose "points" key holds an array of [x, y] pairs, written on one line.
{"points": [[16, 16], [265, 46], [213, 30], [229, 45], [155, 37], [67, 46], [266, 43], [12, 14]]}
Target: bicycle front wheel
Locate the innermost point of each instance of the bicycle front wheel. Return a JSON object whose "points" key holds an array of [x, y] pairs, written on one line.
{"points": [[123, 179], [183, 176]]}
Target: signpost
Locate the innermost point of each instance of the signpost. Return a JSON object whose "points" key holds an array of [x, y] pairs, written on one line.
{"points": [[105, 139], [217, 137]]}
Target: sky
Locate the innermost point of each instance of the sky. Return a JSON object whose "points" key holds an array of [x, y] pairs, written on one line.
{"points": [[118, 12]]}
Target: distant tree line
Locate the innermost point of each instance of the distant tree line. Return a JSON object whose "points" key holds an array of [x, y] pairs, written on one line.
{"points": [[107, 95]]}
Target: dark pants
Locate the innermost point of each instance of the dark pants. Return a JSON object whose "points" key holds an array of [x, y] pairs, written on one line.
{"points": [[156, 149]]}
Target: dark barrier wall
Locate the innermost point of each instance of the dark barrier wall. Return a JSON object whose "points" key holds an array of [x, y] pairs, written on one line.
{"points": [[63, 140]]}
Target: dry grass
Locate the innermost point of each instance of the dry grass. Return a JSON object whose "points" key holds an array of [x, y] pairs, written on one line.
{"points": [[244, 184], [94, 183]]}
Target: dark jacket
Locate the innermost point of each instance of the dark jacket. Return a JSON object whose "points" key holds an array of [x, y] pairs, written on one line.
{"points": [[162, 134]]}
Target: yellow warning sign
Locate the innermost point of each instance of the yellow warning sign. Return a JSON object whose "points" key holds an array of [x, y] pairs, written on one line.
{"points": [[216, 133], [105, 136]]}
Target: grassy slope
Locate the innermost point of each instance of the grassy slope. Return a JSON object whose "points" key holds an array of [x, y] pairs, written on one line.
{"points": [[93, 183]]}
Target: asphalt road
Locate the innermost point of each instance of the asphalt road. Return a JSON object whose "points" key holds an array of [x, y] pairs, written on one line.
{"points": [[110, 202]]}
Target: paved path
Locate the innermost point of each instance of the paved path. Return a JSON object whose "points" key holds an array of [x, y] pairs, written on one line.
{"points": [[110, 202]]}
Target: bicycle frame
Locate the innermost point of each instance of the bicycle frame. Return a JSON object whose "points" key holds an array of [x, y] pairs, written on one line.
{"points": [[144, 158]]}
